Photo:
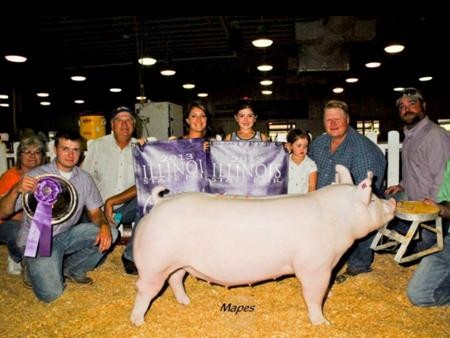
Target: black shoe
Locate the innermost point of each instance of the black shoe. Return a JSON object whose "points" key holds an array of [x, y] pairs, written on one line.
{"points": [[79, 279], [129, 266], [348, 274]]}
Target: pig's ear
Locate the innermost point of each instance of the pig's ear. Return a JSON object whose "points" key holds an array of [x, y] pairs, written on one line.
{"points": [[343, 175], [365, 190]]}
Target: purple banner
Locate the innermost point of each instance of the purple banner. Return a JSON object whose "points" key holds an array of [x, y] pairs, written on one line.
{"points": [[177, 165], [247, 168], [239, 168]]}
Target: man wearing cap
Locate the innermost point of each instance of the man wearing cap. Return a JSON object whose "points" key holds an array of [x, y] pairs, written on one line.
{"points": [[425, 150], [110, 162]]}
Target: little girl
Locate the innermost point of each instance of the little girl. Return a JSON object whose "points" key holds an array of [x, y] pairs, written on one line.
{"points": [[246, 118], [302, 170]]}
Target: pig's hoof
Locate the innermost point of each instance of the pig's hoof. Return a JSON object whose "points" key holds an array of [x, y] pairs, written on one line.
{"points": [[320, 321], [137, 319], [184, 299]]}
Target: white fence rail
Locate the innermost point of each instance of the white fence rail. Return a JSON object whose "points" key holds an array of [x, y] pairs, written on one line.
{"points": [[392, 148]]}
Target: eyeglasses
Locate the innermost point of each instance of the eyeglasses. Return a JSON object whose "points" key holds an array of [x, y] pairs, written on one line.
{"points": [[29, 152]]}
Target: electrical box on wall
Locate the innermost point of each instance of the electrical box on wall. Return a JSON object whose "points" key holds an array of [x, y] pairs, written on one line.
{"points": [[159, 119]]}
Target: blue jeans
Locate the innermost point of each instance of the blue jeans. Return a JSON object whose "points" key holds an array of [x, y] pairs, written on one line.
{"points": [[130, 214], [73, 253], [8, 235], [361, 255], [430, 284]]}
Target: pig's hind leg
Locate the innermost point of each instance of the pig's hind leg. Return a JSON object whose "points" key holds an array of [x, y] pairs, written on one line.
{"points": [[146, 290], [176, 284], [314, 286]]}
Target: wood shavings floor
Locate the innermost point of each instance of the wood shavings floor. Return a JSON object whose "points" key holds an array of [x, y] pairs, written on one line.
{"points": [[370, 305]]}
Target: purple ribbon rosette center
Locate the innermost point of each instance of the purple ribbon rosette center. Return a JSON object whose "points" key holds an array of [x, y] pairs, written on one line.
{"points": [[40, 234]]}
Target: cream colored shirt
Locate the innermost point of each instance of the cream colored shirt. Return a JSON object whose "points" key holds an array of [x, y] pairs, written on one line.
{"points": [[299, 175], [111, 167]]}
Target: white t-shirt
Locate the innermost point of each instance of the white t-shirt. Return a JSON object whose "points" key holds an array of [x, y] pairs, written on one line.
{"points": [[299, 175]]}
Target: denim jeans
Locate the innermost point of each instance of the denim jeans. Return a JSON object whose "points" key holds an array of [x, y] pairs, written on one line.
{"points": [[8, 235], [361, 255], [430, 284], [130, 214], [73, 252]]}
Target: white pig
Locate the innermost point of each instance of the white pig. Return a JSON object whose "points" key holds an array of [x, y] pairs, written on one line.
{"points": [[231, 240]]}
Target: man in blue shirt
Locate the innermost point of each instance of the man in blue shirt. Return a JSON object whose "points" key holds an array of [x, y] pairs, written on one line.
{"points": [[343, 145]]}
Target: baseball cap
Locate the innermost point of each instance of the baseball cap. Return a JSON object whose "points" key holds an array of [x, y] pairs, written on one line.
{"points": [[122, 109], [412, 93]]}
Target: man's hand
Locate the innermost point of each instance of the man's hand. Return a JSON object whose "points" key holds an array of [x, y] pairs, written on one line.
{"points": [[104, 238]]}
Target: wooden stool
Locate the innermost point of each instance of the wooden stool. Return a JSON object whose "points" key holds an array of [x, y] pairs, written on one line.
{"points": [[416, 212]]}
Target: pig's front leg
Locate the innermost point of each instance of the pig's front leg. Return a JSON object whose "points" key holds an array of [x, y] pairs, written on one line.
{"points": [[314, 286], [146, 291], [176, 284]]}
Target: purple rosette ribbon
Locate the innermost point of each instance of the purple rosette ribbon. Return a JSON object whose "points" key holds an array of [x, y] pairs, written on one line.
{"points": [[40, 234]]}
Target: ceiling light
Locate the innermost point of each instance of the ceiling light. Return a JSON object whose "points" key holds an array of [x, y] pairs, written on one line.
{"points": [[3, 96], [394, 48], [425, 78], [399, 89], [168, 72], [79, 101], [115, 90], [188, 86], [202, 94], [147, 61], [262, 42], [141, 98], [43, 94], [265, 67], [16, 58], [374, 64], [45, 103], [266, 82], [78, 78], [338, 90], [266, 92], [4, 104], [351, 80]]}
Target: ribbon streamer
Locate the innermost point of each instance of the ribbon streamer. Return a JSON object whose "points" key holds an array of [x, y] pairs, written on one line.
{"points": [[40, 234]]}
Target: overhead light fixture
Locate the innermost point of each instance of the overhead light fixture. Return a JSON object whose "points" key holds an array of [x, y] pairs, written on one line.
{"points": [[351, 80], [338, 90], [266, 82], [188, 86], [115, 90], [79, 101], [45, 103], [202, 94], [16, 58], [141, 98], [168, 71], [4, 105], [265, 67], [425, 78], [266, 92], [373, 64], [394, 48], [42, 94], [262, 40], [147, 61], [4, 96], [78, 78], [399, 89]]}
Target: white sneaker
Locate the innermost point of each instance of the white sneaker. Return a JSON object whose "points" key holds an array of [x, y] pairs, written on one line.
{"points": [[13, 267]]}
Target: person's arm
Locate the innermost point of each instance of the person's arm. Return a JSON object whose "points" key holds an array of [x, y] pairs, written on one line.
{"points": [[104, 236], [120, 198], [8, 201], [312, 182], [444, 207], [264, 137], [228, 137]]}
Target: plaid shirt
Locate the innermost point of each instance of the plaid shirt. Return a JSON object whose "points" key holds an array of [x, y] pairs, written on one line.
{"points": [[356, 152]]}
